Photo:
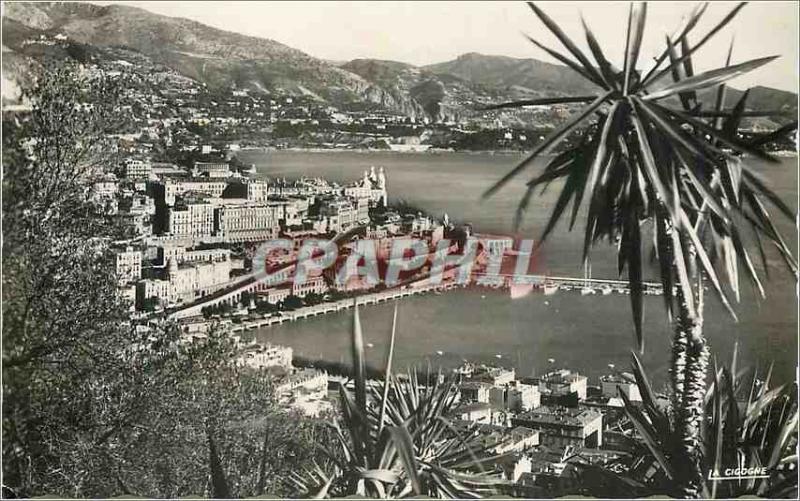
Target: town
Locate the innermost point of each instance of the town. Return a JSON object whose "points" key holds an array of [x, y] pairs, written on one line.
{"points": [[530, 426]]}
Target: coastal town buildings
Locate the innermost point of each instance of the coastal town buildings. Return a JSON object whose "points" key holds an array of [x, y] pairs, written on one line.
{"points": [[614, 384], [561, 383], [562, 426], [128, 264], [137, 169]]}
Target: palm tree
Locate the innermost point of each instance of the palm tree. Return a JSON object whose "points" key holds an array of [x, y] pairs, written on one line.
{"points": [[762, 432], [396, 439], [676, 166]]}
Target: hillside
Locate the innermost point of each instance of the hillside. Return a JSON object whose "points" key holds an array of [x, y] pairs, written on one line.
{"points": [[503, 72], [447, 91]]}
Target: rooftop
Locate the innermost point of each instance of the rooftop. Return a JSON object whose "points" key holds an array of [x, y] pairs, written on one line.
{"points": [[565, 416]]}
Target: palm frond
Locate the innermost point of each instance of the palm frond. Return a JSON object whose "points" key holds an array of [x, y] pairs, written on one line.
{"points": [[709, 78], [551, 140], [649, 79], [568, 44]]}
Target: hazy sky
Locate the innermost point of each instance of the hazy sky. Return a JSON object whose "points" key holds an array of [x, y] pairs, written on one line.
{"points": [[430, 32]]}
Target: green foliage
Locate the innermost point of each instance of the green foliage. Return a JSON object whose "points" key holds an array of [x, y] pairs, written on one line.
{"points": [[395, 440], [748, 424], [93, 404]]}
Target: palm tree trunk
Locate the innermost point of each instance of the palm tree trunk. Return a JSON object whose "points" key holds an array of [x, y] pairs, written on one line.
{"points": [[689, 371]]}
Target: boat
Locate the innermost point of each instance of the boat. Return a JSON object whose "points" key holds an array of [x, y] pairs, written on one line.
{"points": [[550, 288], [370, 345], [439, 352], [605, 290], [586, 291]]}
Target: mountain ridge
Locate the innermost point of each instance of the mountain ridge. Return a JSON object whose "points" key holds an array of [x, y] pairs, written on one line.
{"points": [[449, 90]]}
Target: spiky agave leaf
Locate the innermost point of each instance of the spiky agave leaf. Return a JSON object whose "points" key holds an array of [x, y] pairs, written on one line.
{"points": [[709, 78], [636, 22], [641, 160], [655, 76]]}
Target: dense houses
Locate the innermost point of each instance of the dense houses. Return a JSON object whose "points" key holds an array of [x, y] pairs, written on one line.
{"points": [[532, 427], [173, 211]]}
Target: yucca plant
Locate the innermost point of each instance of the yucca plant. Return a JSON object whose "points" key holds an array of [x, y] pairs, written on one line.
{"points": [[642, 158], [395, 440], [748, 425]]}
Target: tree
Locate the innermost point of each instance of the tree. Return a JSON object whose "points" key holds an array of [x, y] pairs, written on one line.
{"points": [[93, 404], [683, 171], [62, 320]]}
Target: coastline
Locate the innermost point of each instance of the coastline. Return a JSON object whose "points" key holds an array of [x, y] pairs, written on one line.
{"points": [[431, 151]]}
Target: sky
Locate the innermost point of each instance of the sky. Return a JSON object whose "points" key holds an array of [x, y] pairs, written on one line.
{"points": [[429, 32]]}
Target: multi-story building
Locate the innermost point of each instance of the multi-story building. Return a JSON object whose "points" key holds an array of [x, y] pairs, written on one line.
{"points": [[515, 397], [185, 282], [479, 412], [104, 193], [191, 219], [212, 169], [258, 190], [562, 382], [612, 384], [498, 440], [137, 169], [475, 391], [339, 212], [166, 192], [312, 285], [295, 209], [371, 186], [183, 254], [561, 426], [275, 295], [247, 221], [495, 376], [128, 265]]}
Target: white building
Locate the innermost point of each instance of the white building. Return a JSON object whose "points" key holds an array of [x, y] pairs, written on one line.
{"points": [[137, 169], [128, 264], [611, 385], [185, 282], [259, 356], [562, 382], [312, 285], [340, 213], [213, 169], [247, 221], [515, 397], [191, 219], [170, 189]]}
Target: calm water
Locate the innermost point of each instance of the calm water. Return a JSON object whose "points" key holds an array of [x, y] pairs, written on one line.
{"points": [[585, 333]]}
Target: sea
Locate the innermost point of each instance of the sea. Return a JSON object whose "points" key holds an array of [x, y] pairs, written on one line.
{"points": [[590, 334]]}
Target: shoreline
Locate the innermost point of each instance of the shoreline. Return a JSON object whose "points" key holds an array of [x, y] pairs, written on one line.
{"points": [[432, 151]]}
